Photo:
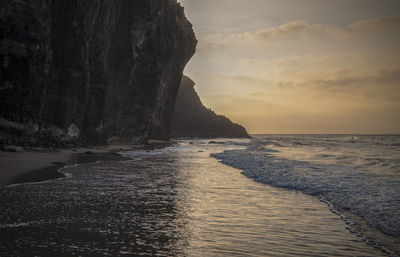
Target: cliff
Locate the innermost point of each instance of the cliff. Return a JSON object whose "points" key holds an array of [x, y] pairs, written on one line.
{"points": [[192, 119], [90, 70]]}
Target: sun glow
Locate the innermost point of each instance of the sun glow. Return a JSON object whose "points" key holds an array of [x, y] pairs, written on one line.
{"points": [[299, 66]]}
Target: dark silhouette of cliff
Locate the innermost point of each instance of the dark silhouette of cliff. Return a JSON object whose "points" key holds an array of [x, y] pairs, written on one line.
{"points": [[192, 119], [89, 70]]}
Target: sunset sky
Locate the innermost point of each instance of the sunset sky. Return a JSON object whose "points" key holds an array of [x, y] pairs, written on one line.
{"points": [[299, 66]]}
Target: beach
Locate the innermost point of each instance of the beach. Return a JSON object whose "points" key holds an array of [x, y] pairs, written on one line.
{"points": [[42, 164], [173, 201]]}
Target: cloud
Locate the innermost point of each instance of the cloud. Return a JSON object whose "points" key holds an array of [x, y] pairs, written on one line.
{"points": [[384, 82], [380, 87], [304, 28], [205, 47], [295, 61], [376, 24], [314, 103], [375, 78], [241, 79], [301, 27], [299, 67]]}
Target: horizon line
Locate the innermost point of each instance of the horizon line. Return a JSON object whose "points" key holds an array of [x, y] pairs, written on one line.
{"points": [[366, 134]]}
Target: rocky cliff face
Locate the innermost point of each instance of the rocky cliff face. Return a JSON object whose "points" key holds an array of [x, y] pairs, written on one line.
{"points": [[90, 69], [192, 119]]}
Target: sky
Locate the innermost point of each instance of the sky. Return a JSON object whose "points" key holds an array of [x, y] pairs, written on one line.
{"points": [[299, 66]]}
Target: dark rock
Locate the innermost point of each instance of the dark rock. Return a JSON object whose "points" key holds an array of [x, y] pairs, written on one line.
{"points": [[216, 143], [192, 119], [8, 149], [58, 163], [88, 70]]}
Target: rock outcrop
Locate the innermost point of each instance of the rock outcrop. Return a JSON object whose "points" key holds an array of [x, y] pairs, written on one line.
{"points": [[192, 119], [89, 70]]}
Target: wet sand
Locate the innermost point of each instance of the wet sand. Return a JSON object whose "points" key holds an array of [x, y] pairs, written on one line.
{"points": [[42, 164], [179, 202]]}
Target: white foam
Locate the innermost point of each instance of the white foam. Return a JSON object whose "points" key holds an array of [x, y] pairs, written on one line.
{"points": [[374, 197], [15, 225]]}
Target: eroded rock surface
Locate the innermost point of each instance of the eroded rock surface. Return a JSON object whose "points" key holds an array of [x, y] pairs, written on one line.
{"points": [[90, 69]]}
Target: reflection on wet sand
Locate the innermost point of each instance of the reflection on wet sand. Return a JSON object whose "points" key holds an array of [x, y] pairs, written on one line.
{"points": [[172, 202], [108, 208]]}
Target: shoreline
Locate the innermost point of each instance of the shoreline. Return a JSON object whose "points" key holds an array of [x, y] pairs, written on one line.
{"points": [[43, 164], [307, 219], [36, 165], [355, 224]]}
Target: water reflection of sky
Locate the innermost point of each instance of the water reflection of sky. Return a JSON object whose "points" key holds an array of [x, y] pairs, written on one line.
{"points": [[175, 202]]}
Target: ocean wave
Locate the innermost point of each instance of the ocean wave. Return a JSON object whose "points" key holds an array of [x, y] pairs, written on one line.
{"points": [[375, 198]]}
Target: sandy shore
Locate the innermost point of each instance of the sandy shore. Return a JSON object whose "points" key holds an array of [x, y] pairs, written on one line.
{"points": [[42, 164], [175, 202]]}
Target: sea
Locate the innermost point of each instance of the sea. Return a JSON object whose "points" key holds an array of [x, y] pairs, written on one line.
{"points": [[271, 195]]}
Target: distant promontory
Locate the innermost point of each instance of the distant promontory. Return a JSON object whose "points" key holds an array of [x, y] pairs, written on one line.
{"points": [[192, 119]]}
